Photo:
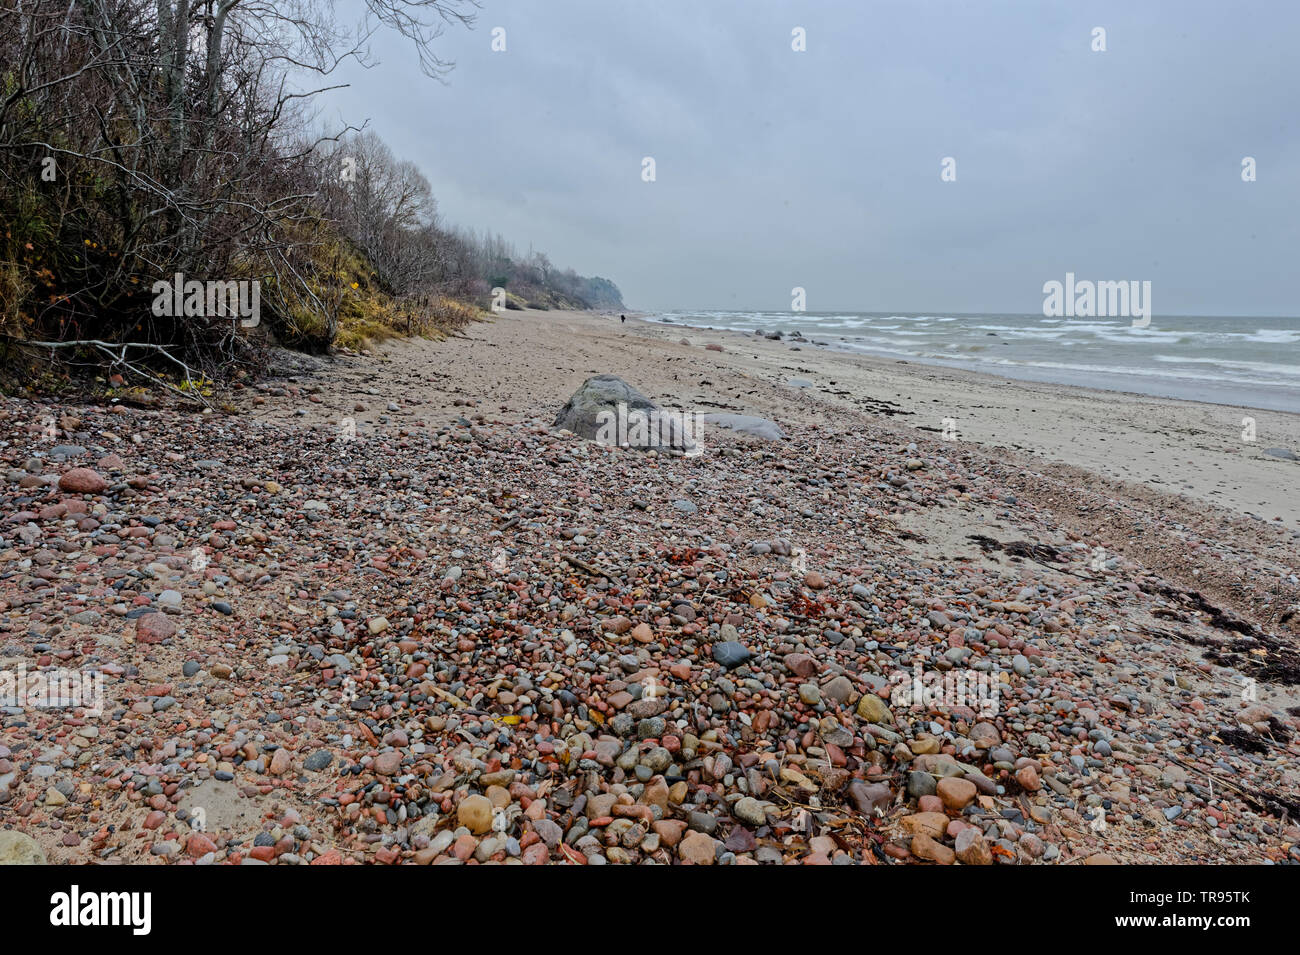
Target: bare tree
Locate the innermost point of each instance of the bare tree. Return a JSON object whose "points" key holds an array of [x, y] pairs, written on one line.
{"points": [[173, 130]]}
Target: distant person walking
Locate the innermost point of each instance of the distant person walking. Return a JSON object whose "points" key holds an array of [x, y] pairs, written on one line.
{"points": [[623, 318]]}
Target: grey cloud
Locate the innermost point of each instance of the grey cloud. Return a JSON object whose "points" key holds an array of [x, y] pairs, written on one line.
{"points": [[821, 169]]}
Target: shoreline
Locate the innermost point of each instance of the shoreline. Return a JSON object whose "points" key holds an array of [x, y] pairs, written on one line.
{"points": [[1264, 398], [1210, 430], [1030, 376]]}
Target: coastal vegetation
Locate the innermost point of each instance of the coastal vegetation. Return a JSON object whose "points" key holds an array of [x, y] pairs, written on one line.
{"points": [[145, 140]]}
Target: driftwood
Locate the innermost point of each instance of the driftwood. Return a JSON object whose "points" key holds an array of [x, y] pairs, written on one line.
{"points": [[119, 360]]}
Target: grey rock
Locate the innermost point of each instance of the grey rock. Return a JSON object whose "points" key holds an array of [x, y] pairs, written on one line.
{"points": [[920, 784], [749, 810], [703, 822], [549, 832], [622, 724], [318, 760], [590, 410], [657, 759], [731, 654], [747, 424]]}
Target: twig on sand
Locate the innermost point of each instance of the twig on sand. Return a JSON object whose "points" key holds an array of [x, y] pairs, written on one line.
{"points": [[593, 571], [451, 698]]}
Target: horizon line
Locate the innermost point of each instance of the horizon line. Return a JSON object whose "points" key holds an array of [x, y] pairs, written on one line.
{"points": [[940, 312]]}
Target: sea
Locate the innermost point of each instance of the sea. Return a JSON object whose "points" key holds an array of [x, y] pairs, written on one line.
{"points": [[1249, 362]]}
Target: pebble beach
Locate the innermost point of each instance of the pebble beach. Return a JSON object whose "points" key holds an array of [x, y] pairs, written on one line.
{"points": [[452, 633]]}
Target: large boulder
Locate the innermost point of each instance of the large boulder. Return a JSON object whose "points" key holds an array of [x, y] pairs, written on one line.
{"points": [[608, 410], [753, 426], [18, 848]]}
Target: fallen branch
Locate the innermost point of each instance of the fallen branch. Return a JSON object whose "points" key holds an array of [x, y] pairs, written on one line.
{"points": [[119, 359]]}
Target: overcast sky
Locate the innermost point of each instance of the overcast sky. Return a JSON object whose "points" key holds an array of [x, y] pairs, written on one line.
{"points": [[821, 169]]}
